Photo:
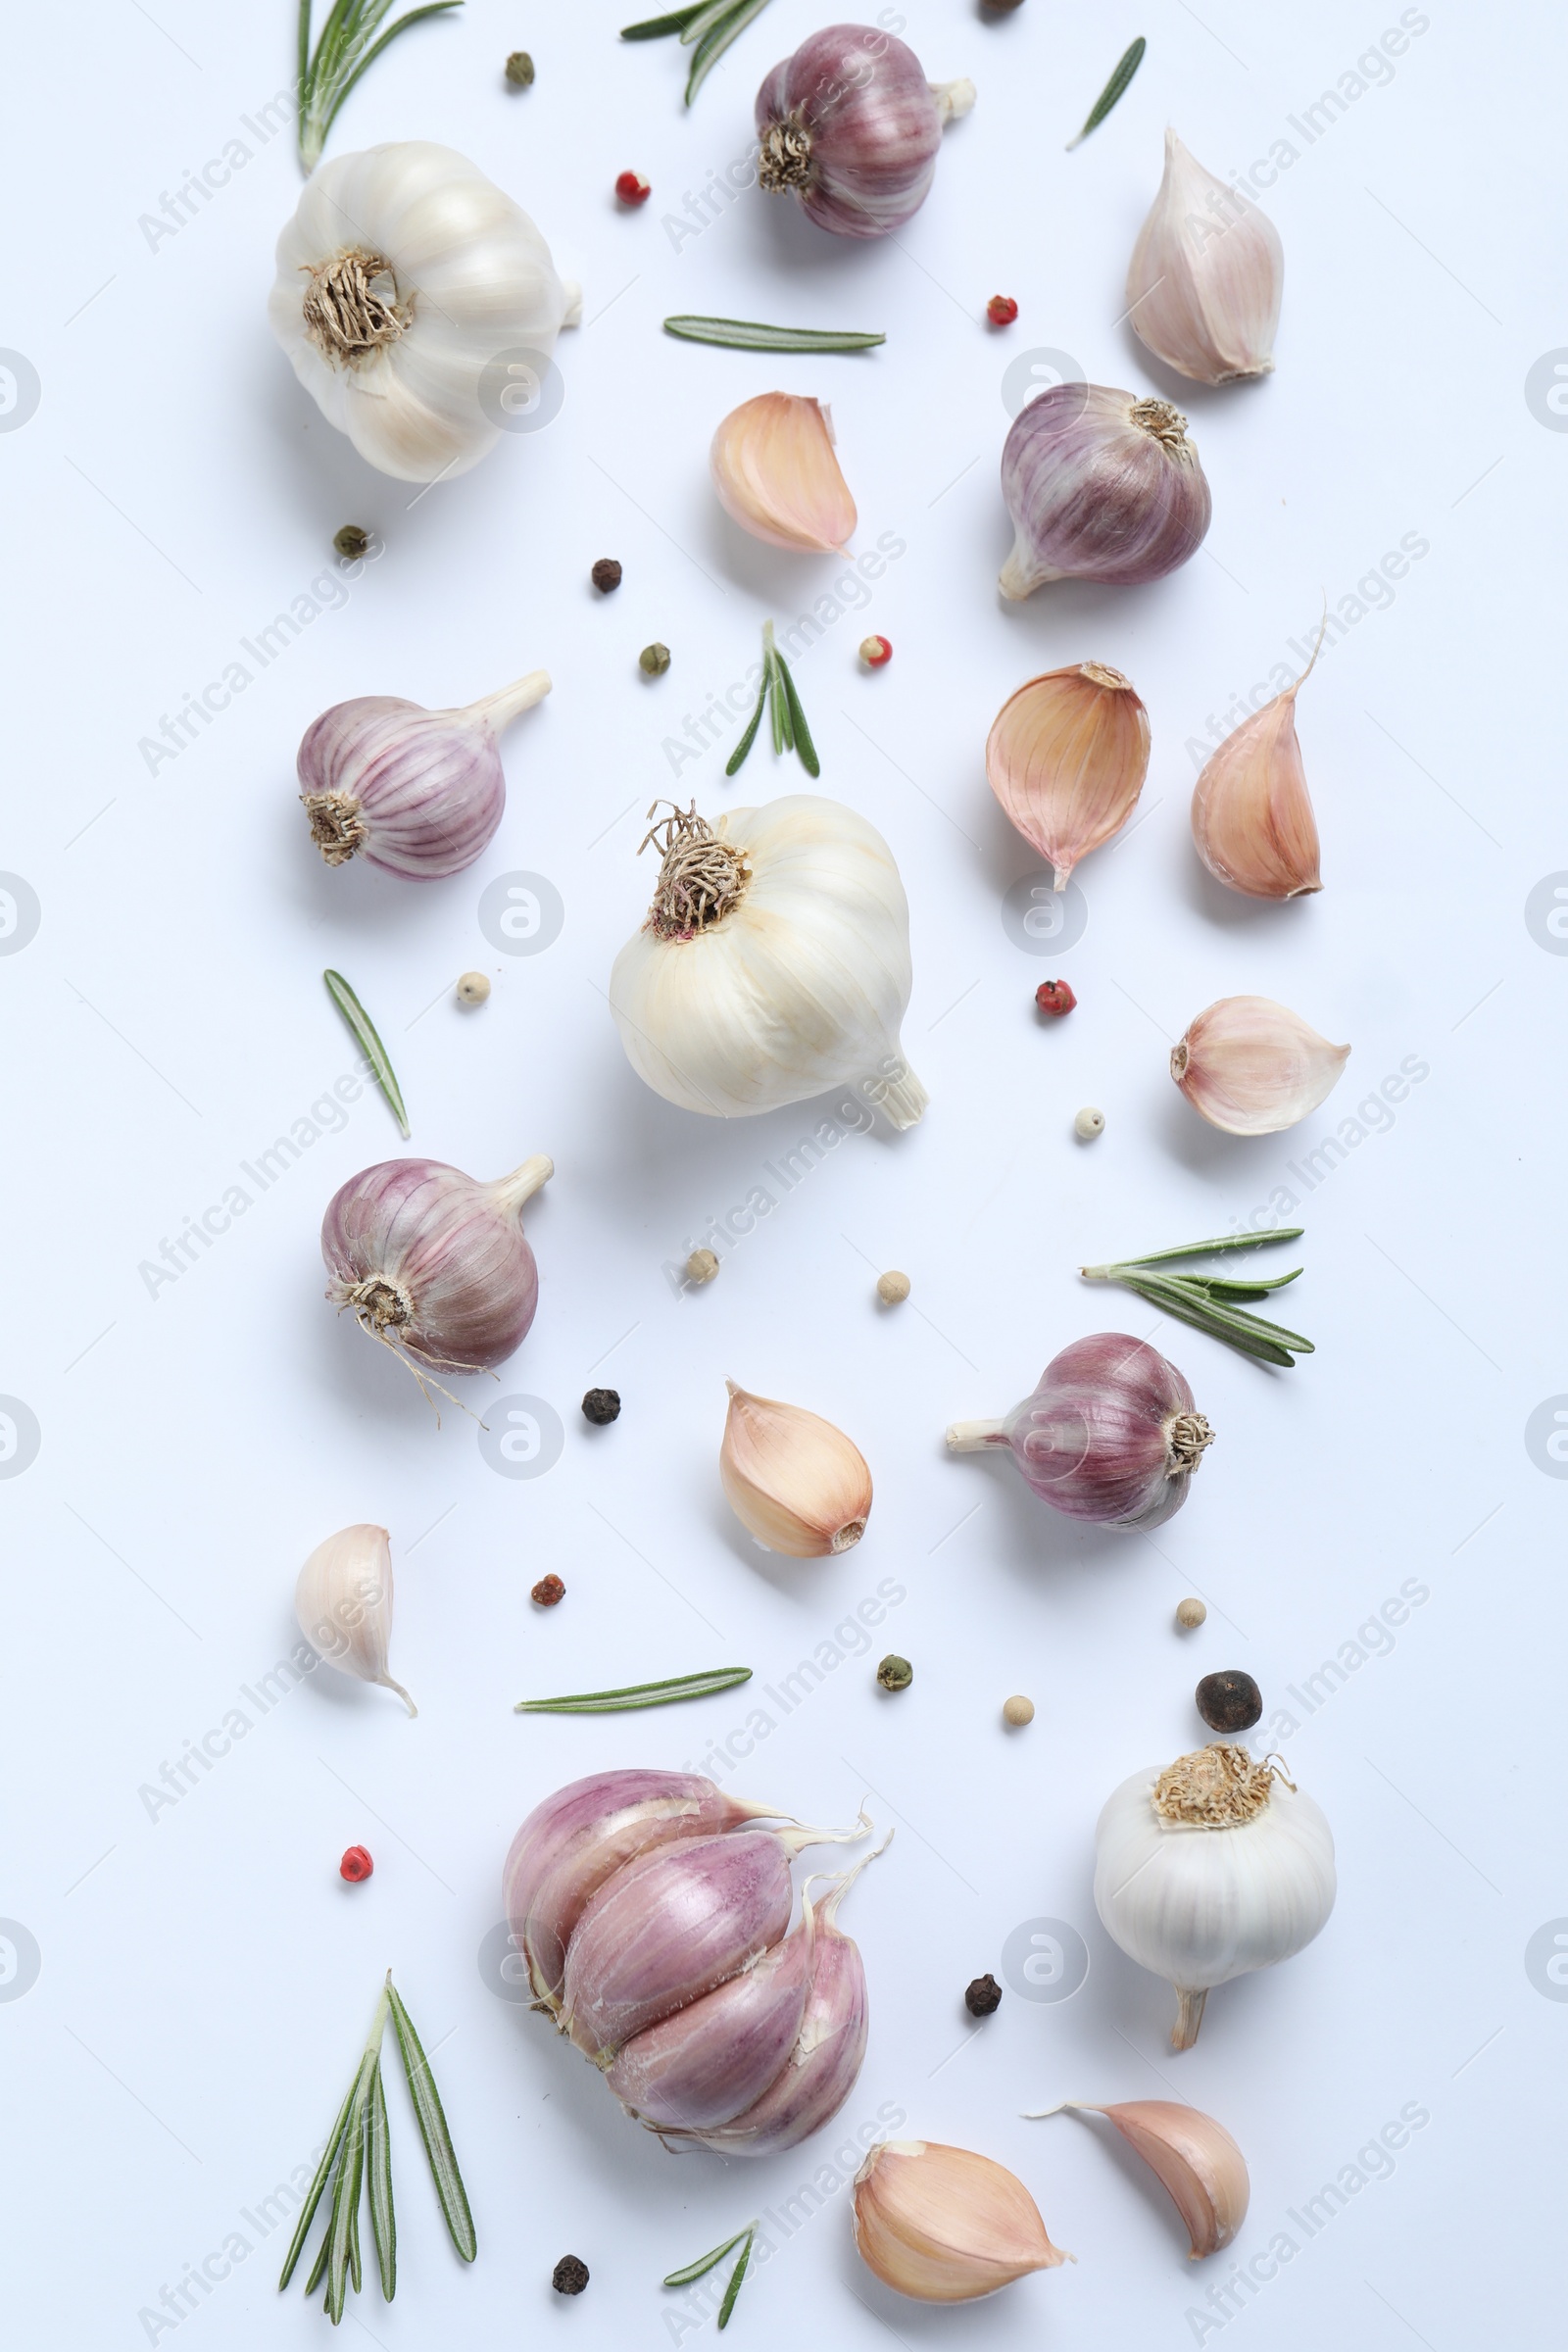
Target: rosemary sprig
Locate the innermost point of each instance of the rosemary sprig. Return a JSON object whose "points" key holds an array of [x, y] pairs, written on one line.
{"points": [[1126, 66], [1212, 1302], [638, 1694], [360, 2151], [708, 2262], [750, 334], [370, 1046], [706, 29], [778, 692], [344, 49]]}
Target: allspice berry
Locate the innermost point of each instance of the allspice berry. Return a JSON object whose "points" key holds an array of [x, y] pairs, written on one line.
{"points": [[606, 575], [894, 1674], [570, 2276], [1229, 1702], [601, 1406], [548, 1591], [701, 1266], [893, 1288], [983, 1997], [1189, 1614]]}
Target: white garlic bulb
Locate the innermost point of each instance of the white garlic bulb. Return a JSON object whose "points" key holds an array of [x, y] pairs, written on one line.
{"points": [[343, 1602], [1210, 1869], [774, 964], [404, 281]]}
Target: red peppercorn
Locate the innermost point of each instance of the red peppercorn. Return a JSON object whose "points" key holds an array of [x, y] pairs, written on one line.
{"points": [[355, 1865], [1001, 309], [1054, 996], [875, 652], [632, 188]]}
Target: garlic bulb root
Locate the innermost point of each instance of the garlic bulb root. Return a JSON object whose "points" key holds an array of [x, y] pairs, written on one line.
{"points": [[773, 963], [1203, 289], [775, 469], [1100, 486], [1066, 757], [797, 1483], [343, 1603], [1193, 2156], [943, 2225], [1251, 1066]]}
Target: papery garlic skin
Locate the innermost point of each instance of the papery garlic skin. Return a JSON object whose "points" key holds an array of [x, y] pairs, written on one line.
{"points": [[791, 978], [1251, 1068], [433, 1264], [797, 1484], [1207, 275], [1111, 1434], [402, 276], [343, 1602], [1195, 2158], [1066, 757], [415, 792], [1252, 820], [945, 2226], [1207, 1870], [1101, 486], [850, 126], [775, 469], [576, 1840]]}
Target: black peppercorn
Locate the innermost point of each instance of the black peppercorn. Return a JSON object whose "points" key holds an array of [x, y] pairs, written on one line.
{"points": [[570, 2276], [982, 1997], [1229, 1702], [351, 542], [606, 575], [601, 1406]]}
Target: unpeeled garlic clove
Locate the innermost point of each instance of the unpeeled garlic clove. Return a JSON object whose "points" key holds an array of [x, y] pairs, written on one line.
{"points": [[1194, 2156], [1252, 820], [796, 1482], [1251, 1066], [343, 1600], [1066, 757], [1207, 270], [776, 475], [944, 2226]]}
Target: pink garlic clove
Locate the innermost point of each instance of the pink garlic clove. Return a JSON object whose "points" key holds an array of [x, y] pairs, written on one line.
{"points": [[711, 2060], [1111, 1435], [776, 475], [433, 1264], [1066, 757], [1252, 820], [850, 126], [1101, 486], [580, 1837], [1251, 1068], [416, 792]]}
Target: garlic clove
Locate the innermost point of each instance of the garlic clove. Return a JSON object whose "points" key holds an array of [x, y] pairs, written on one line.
{"points": [[1252, 820], [1206, 274], [343, 1602], [776, 475], [1251, 1066], [711, 2061], [1066, 757], [1193, 2156], [797, 1484], [944, 2226]]}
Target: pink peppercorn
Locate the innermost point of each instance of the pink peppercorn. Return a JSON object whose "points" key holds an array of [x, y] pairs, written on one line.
{"points": [[1054, 996], [355, 1865], [632, 188], [1001, 309]]}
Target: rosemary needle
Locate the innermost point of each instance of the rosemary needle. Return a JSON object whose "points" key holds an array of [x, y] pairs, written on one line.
{"points": [[370, 1046], [750, 334], [1213, 1302], [637, 1694], [346, 46], [1126, 66]]}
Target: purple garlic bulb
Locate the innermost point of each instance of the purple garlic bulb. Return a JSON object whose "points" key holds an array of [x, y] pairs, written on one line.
{"points": [[418, 791], [850, 126], [1110, 1434], [432, 1264], [655, 1921], [1100, 486]]}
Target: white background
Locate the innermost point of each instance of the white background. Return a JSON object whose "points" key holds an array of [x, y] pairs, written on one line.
{"points": [[205, 1978]]}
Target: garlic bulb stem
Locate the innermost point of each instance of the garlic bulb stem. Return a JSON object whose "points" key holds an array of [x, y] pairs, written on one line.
{"points": [[511, 1192], [507, 701], [972, 1437], [1189, 2016]]}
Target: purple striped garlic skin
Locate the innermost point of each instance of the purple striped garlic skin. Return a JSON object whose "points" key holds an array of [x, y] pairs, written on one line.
{"points": [[416, 792], [821, 2070], [712, 2059], [1101, 486], [850, 126], [669, 1927], [433, 1263], [580, 1837]]}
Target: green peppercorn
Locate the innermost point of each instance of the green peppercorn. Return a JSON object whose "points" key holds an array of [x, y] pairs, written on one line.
{"points": [[520, 70], [894, 1674], [654, 660], [351, 542]]}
